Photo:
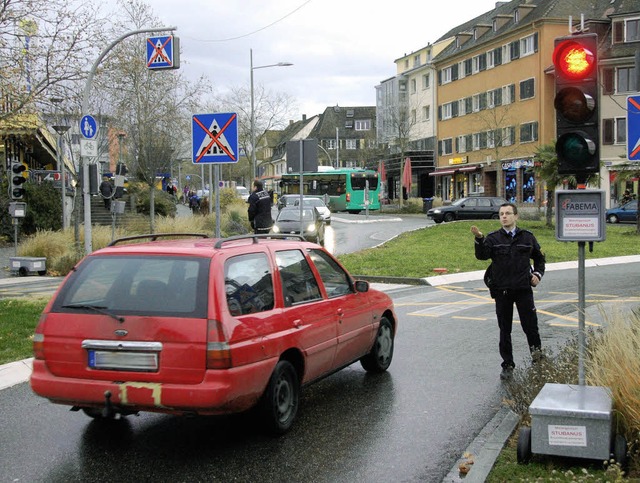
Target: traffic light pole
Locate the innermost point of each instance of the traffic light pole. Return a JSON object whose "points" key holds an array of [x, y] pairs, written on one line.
{"points": [[85, 108]]}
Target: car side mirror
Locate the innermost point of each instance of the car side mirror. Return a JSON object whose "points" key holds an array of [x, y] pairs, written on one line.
{"points": [[362, 286]]}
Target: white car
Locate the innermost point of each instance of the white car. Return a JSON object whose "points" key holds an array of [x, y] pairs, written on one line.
{"points": [[319, 205], [243, 193]]}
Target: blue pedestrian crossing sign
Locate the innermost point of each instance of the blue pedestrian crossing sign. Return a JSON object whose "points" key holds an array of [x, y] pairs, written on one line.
{"points": [[163, 52], [88, 127], [633, 128], [214, 138]]}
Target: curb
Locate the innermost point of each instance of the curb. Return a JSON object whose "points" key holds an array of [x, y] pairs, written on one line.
{"points": [[485, 448]]}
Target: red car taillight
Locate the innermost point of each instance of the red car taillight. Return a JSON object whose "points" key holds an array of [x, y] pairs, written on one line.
{"points": [[38, 339], [218, 352]]}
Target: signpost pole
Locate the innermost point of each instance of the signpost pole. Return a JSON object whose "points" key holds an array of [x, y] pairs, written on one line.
{"points": [[581, 315], [85, 108]]}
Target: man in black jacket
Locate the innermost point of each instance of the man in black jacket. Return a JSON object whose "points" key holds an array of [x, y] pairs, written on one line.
{"points": [[511, 278], [260, 209]]}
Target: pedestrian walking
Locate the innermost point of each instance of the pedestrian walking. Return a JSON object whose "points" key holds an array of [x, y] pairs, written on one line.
{"points": [[106, 191], [510, 278], [259, 210]]}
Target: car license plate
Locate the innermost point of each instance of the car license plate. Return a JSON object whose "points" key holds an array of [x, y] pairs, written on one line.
{"points": [[123, 361]]}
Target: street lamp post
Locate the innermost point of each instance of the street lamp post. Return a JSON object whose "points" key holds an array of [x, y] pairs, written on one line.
{"points": [[253, 113]]}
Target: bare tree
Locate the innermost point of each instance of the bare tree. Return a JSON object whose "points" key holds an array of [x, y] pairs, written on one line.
{"points": [[43, 45], [153, 107]]}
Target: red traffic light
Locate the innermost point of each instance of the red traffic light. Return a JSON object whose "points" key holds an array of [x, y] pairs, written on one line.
{"points": [[573, 59]]}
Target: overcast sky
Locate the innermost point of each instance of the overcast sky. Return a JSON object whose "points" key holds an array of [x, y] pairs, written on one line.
{"points": [[341, 49]]}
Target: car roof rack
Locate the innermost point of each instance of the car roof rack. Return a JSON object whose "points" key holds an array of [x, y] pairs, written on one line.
{"points": [[256, 238], [155, 236]]}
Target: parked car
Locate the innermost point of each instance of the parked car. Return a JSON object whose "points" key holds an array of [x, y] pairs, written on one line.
{"points": [[471, 208], [288, 222], [243, 193], [626, 212], [201, 326]]}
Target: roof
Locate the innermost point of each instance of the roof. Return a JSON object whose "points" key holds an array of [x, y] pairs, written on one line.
{"points": [[530, 11], [337, 116]]}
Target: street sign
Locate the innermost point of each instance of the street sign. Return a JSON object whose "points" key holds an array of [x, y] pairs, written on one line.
{"points": [[163, 52], [633, 128], [580, 215], [214, 138], [88, 147], [88, 127]]}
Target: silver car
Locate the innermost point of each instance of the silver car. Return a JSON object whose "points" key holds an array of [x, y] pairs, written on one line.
{"points": [[316, 203]]}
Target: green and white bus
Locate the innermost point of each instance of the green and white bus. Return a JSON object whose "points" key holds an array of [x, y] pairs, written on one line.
{"points": [[348, 189]]}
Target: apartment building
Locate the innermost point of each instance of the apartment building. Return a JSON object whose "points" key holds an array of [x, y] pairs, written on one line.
{"points": [[481, 96]]}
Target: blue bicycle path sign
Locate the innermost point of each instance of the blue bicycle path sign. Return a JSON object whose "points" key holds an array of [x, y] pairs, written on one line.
{"points": [[214, 138]]}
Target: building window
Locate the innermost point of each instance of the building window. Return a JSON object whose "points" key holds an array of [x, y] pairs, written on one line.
{"points": [[527, 90], [413, 116], [446, 75], [468, 105], [462, 145], [527, 45], [446, 146], [416, 60], [528, 132], [508, 94], [413, 86], [363, 125], [479, 63], [426, 81], [351, 143], [468, 67], [508, 135], [491, 61], [348, 123], [446, 111], [426, 113], [331, 143], [625, 77], [461, 72], [614, 131], [632, 30], [491, 139], [506, 54]]}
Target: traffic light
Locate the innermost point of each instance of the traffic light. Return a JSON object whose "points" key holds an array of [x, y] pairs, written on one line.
{"points": [[576, 102], [16, 180]]}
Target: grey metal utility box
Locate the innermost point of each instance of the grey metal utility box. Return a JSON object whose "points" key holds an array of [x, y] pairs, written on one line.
{"points": [[572, 420], [24, 265], [118, 207]]}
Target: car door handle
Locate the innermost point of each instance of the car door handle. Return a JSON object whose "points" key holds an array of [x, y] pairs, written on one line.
{"points": [[340, 312], [297, 323]]}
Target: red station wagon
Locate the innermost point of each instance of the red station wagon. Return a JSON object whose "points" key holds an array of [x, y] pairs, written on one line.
{"points": [[206, 326]]}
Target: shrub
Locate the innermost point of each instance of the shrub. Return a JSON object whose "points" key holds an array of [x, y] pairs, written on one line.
{"points": [[44, 208]]}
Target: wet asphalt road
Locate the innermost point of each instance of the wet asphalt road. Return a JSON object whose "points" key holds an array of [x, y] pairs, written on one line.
{"points": [[410, 424]]}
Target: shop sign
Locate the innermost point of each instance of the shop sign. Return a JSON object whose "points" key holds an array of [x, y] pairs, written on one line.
{"points": [[517, 163]]}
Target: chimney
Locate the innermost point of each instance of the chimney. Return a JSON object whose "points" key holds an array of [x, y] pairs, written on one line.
{"points": [[304, 117]]}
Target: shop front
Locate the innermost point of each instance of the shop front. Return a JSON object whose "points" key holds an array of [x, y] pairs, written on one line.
{"points": [[519, 181]]}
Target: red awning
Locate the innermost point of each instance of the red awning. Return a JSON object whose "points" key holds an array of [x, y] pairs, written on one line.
{"points": [[442, 172], [468, 168]]}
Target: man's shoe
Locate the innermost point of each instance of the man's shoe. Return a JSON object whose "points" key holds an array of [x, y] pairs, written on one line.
{"points": [[506, 373]]}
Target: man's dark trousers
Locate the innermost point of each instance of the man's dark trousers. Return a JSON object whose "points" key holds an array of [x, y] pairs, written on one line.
{"points": [[528, 320]]}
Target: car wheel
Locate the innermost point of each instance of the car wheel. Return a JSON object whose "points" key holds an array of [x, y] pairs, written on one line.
{"points": [[280, 400], [437, 221], [449, 217], [495, 216], [379, 358], [612, 219]]}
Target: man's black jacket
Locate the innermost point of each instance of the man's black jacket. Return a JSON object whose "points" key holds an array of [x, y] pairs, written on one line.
{"points": [[260, 210], [511, 258]]}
